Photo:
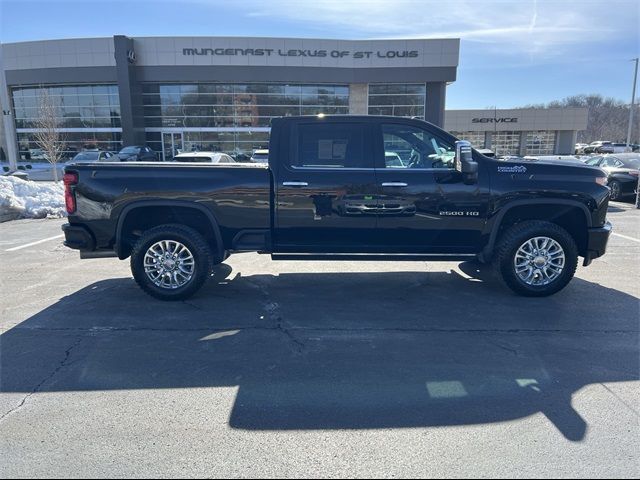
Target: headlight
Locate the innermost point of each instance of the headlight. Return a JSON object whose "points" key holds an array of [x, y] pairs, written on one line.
{"points": [[602, 181]]}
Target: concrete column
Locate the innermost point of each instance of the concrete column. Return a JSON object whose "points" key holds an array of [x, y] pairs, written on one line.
{"points": [[130, 92], [358, 99], [566, 142], [488, 139], [434, 103], [10, 140], [522, 151]]}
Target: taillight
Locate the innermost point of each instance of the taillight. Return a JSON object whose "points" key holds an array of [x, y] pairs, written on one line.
{"points": [[602, 181], [635, 173], [70, 179]]}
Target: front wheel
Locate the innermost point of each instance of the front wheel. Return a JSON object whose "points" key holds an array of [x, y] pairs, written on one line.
{"points": [[171, 262], [536, 258]]}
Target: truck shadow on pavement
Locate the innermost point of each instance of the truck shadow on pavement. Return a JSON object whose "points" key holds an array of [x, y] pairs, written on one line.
{"points": [[338, 350]]}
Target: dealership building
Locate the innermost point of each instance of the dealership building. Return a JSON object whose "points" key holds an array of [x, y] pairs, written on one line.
{"points": [[220, 93]]}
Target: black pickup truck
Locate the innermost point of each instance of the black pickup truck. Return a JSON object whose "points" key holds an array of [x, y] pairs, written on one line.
{"points": [[343, 187]]}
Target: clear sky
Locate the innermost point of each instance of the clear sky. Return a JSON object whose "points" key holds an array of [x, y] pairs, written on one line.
{"points": [[513, 52]]}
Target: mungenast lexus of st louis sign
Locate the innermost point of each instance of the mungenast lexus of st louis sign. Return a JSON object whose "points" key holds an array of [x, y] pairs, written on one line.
{"points": [[261, 52]]}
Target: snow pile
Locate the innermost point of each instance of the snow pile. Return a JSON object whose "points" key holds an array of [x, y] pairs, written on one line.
{"points": [[31, 199]]}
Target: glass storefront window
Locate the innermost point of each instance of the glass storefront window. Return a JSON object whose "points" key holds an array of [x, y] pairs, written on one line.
{"points": [[397, 99], [80, 108], [234, 143], [506, 143], [241, 105], [541, 142], [476, 138], [74, 143]]}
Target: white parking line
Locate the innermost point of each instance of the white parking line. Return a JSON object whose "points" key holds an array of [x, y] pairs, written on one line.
{"points": [[628, 238], [33, 243]]}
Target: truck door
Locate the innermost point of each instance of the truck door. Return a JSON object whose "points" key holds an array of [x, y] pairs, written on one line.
{"points": [[424, 206], [325, 187]]}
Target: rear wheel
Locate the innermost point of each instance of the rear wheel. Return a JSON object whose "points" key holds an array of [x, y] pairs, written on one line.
{"points": [[171, 262], [536, 258]]}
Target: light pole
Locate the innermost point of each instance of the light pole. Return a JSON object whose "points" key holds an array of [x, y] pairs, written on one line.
{"points": [[633, 100]]}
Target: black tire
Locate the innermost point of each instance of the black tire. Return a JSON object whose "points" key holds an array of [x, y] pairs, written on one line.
{"points": [[190, 238], [515, 237], [616, 190]]}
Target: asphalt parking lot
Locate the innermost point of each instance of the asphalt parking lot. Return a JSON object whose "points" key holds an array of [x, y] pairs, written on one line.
{"points": [[316, 368]]}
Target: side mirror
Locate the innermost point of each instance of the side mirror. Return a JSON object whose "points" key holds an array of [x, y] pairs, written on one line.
{"points": [[465, 164]]}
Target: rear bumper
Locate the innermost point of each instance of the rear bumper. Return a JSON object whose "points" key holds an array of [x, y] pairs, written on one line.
{"points": [[78, 238], [597, 241]]}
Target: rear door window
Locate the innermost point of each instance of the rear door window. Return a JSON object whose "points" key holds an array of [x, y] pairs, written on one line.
{"points": [[611, 162], [331, 145]]}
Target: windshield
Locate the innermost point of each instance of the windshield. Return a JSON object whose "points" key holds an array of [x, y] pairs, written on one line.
{"points": [[86, 156]]}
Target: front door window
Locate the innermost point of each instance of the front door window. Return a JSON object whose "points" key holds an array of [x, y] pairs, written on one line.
{"points": [[406, 146]]}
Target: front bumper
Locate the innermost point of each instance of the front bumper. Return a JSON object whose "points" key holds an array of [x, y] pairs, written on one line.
{"points": [[597, 241]]}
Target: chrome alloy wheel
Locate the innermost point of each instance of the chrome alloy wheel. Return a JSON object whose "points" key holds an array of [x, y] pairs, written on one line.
{"points": [[615, 190], [539, 261], [169, 264]]}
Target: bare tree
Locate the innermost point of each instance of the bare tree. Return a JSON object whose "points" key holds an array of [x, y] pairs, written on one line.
{"points": [[47, 135], [608, 118]]}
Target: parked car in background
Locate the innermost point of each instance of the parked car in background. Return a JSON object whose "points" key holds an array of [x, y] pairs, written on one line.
{"points": [[621, 148], [579, 148], [241, 157], [556, 159], [37, 154], [601, 146], [622, 170], [486, 152], [204, 157], [93, 156], [137, 153], [260, 156], [7, 172]]}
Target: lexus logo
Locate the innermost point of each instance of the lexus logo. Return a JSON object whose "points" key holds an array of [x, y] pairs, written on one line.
{"points": [[131, 56]]}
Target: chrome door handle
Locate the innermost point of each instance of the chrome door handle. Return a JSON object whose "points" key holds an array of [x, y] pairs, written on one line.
{"points": [[295, 184], [395, 184]]}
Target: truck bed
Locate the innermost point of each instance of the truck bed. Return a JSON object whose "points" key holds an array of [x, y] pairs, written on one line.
{"points": [[238, 195]]}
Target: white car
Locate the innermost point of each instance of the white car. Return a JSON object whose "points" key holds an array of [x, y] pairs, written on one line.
{"points": [[203, 157]]}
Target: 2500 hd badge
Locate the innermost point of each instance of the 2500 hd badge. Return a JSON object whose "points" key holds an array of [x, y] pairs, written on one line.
{"points": [[459, 214]]}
